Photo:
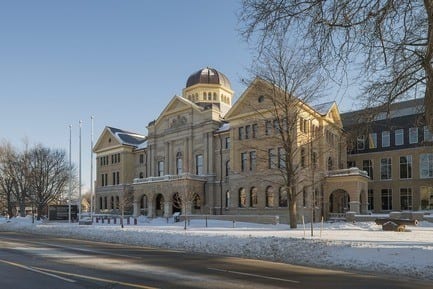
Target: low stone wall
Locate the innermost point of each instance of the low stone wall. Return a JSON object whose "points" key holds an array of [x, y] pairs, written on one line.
{"points": [[260, 219]]}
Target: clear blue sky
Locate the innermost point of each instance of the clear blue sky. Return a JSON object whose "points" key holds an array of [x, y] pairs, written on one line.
{"points": [[120, 61]]}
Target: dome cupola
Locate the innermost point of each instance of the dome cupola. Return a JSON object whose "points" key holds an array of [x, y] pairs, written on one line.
{"points": [[208, 76]]}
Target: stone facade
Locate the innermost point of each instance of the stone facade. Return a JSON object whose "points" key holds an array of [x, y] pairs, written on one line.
{"points": [[204, 156]]}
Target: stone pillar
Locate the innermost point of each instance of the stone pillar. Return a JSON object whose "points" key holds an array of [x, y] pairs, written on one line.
{"points": [[150, 209], [354, 206], [136, 208], [167, 209]]}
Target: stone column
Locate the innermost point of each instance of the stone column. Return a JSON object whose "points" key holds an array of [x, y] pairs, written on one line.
{"points": [[150, 208], [136, 208], [354, 206], [167, 209]]}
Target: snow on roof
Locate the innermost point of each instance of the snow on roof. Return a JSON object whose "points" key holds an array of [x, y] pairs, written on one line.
{"points": [[323, 108], [225, 127], [127, 138]]}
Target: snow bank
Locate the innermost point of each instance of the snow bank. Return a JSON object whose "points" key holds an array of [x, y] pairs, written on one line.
{"points": [[360, 246]]}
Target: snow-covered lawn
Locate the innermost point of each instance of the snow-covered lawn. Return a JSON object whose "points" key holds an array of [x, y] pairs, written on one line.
{"points": [[359, 246]]}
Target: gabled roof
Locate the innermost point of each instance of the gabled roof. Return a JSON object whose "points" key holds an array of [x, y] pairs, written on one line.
{"points": [[121, 138], [323, 108], [126, 137], [176, 103]]}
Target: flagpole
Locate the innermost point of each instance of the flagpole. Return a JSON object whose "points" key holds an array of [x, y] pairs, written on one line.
{"points": [[79, 174], [70, 174], [91, 170]]}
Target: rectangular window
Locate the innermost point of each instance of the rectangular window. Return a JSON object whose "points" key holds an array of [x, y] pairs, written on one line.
{"points": [[268, 127], [243, 161], [386, 199], [227, 143], [360, 143], [247, 131], [160, 168], [413, 135], [241, 133], [276, 126], [114, 178], [385, 139], [385, 169], [271, 158], [367, 166], [428, 136], [141, 158], [281, 158], [102, 180], [405, 167], [426, 166], [372, 140], [406, 199], [199, 165], [118, 177], [370, 200], [399, 137], [252, 161], [255, 130]]}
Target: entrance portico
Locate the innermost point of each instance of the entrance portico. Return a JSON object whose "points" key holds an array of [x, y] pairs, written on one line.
{"points": [[346, 190]]}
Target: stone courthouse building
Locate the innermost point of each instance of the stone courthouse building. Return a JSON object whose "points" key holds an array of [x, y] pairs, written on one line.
{"points": [[205, 154]]}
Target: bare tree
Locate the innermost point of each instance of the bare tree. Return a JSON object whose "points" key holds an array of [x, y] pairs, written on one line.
{"points": [[126, 200], [390, 41], [288, 82], [49, 176], [184, 200], [6, 180], [14, 167]]}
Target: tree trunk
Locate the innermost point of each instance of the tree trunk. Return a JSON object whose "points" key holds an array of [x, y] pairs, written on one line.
{"points": [[292, 213]]}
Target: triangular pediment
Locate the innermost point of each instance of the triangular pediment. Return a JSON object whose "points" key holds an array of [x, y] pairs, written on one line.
{"points": [[176, 106], [106, 141], [252, 101], [334, 115]]}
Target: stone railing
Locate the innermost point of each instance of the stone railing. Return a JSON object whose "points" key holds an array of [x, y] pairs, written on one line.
{"points": [[166, 178], [347, 172]]}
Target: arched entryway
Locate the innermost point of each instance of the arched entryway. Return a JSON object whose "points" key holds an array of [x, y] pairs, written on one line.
{"points": [[159, 206], [339, 202], [177, 203], [143, 205]]}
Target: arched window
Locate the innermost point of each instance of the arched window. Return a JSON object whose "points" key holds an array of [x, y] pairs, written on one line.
{"points": [[209, 96], [197, 202], [330, 164], [141, 175], [282, 198], [112, 202], [303, 157], [269, 197], [242, 198], [214, 96], [179, 163], [204, 95], [254, 199], [227, 168], [228, 201], [105, 203]]}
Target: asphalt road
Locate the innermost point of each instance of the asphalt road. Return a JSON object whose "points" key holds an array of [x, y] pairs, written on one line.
{"points": [[44, 262]]}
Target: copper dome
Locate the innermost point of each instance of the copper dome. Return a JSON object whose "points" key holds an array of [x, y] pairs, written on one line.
{"points": [[208, 76]]}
